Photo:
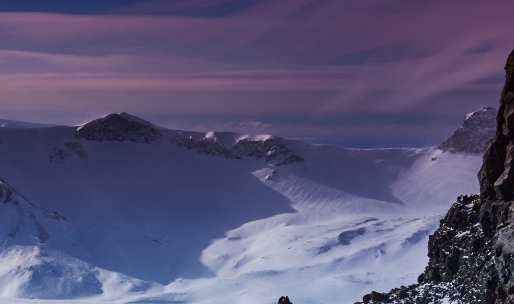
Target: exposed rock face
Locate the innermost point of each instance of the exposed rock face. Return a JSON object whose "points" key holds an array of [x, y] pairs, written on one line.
{"points": [[497, 173], [284, 300], [119, 127], [125, 127], [272, 149], [471, 137], [471, 258]]}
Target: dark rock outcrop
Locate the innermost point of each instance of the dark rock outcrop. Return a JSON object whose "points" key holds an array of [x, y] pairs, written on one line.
{"points": [[471, 258], [472, 252], [119, 127], [70, 149], [474, 133], [284, 300], [497, 173], [374, 296], [272, 149]]}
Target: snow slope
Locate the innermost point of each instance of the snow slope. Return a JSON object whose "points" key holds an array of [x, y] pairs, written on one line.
{"points": [[4, 123], [156, 215]]}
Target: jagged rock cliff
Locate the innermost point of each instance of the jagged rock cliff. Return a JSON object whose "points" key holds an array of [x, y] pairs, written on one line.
{"points": [[496, 175], [472, 253]]}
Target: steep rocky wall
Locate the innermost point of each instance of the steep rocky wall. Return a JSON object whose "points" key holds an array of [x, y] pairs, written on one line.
{"points": [[497, 173]]}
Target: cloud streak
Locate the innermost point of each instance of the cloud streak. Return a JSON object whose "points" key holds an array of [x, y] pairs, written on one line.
{"points": [[307, 57]]}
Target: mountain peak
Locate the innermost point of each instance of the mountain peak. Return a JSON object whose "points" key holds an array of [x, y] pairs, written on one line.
{"points": [[121, 116], [477, 128], [119, 127]]}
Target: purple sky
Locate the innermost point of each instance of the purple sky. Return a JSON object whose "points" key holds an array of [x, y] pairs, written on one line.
{"points": [[358, 73]]}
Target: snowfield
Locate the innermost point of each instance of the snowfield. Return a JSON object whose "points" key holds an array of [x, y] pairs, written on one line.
{"points": [[187, 218]]}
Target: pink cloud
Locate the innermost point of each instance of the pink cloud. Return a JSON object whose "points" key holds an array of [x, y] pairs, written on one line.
{"points": [[405, 53], [334, 27]]}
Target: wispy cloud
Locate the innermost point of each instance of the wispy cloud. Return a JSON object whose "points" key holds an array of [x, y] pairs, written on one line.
{"points": [[307, 57]]}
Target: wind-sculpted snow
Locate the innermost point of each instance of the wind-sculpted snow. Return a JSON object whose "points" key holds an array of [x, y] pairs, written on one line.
{"points": [[300, 249], [38, 272]]}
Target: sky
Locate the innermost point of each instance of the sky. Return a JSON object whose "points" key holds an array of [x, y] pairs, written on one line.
{"points": [[396, 73]]}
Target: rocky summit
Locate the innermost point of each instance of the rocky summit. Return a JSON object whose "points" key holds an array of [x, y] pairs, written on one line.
{"points": [[119, 127], [473, 134], [471, 255]]}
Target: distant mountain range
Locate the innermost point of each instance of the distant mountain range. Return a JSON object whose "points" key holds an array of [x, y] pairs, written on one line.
{"points": [[119, 209]]}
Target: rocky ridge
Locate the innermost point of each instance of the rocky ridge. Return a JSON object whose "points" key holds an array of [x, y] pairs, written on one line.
{"points": [[271, 149], [473, 134], [124, 127], [472, 253]]}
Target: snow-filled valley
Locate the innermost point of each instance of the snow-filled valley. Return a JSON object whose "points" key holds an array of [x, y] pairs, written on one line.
{"points": [[121, 211]]}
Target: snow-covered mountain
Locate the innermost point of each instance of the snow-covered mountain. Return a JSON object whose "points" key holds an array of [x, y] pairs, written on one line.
{"points": [[474, 132], [134, 212]]}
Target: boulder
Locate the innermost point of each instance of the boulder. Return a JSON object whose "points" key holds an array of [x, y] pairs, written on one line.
{"points": [[284, 300]]}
